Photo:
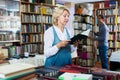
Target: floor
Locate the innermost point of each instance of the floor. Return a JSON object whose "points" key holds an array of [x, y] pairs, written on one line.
{"points": [[98, 65]]}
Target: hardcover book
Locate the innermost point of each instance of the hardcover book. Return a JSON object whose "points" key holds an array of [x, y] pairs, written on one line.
{"points": [[80, 36]]}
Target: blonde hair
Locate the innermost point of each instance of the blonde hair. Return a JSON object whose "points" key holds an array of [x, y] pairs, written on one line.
{"points": [[57, 12]]}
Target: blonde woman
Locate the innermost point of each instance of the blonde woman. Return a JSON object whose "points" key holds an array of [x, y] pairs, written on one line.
{"points": [[57, 49]]}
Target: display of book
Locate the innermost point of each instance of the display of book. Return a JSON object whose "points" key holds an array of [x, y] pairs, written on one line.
{"points": [[80, 36]]}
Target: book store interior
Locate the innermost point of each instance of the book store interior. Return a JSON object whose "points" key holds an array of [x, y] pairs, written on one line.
{"points": [[59, 40]]}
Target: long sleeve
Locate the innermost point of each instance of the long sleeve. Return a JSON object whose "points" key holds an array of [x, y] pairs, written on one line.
{"points": [[103, 35], [49, 50]]}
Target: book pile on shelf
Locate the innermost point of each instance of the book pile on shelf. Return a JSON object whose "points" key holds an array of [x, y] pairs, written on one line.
{"points": [[12, 70]]}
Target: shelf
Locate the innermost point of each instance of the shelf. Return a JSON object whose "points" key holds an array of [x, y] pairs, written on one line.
{"points": [[31, 33], [36, 13], [32, 42], [105, 8], [83, 15], [11, 41]]}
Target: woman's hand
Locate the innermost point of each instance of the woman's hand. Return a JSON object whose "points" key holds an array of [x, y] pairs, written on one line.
{"points": [[76, 43], [63, 43]]}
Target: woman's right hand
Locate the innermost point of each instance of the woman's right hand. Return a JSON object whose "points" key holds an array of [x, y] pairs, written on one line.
{"points": [[63, 43]]}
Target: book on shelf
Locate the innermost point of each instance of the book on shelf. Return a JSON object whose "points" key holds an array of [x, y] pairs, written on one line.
{"points": [[11, 70], [80, 36]]}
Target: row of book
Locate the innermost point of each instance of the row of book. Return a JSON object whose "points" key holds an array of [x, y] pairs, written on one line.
{"points": [[106, 4], [86, 56], [32, 48], [112, 28], [9, 8], [30, 8], [10, 22], [84, 18], [106, 12], [31, 28], [35, 9], [82, 26], [9, 35], [10, 51], [4, 12], [108, 20], [27, 38], [36, 18], [114, 37], [86, 42], [113, 44]]}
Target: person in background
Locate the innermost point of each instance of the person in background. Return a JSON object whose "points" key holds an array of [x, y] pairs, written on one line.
{"points": [[57, 49], [102, 37]]}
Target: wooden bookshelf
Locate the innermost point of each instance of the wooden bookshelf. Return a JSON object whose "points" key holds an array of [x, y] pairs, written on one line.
{"points": [[36, 17], [109, 10], [85, 51]]}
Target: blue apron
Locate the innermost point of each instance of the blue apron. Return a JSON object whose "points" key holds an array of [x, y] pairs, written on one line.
{"points": [[63, 56]]}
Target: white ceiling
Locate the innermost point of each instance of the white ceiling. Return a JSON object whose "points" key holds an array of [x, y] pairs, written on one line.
{"points": [[76, 1]]}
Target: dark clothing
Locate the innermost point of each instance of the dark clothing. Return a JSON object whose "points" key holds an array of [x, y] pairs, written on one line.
{"points": [[103, 53], [102, 38], [102, 35]]}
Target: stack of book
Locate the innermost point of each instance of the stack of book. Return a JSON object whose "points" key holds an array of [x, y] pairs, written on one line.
{"points": [[12, 70], [48, 73]]}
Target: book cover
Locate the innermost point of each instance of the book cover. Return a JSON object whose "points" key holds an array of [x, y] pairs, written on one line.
{"points": [[80, 36], [75, 76]]}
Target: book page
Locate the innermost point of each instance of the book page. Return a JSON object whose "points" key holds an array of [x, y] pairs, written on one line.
{"points": [[86, 33]]}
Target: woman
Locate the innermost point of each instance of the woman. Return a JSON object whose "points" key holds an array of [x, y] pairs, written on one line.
{"points": [[57, 49]]}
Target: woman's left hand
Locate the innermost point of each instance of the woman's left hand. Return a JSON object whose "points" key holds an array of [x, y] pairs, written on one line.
{"points": [[76, 43]]}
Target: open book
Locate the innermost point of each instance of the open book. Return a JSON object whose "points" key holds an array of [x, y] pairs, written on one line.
{"points": [[80, 36]]}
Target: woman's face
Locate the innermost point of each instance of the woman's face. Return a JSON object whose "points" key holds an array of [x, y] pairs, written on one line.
{"points": [[64, 18]]}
